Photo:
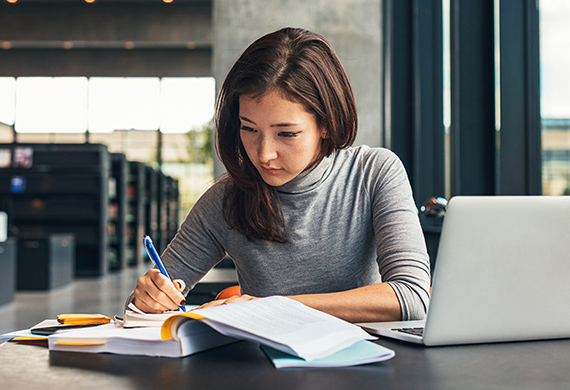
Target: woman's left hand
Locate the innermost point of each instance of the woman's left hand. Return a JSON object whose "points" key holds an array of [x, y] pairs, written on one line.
{"points": [[233, 299]]}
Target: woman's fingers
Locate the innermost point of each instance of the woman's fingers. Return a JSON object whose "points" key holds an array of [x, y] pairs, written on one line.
{"points": [[179, 284], [148, 304], [155, 293]]}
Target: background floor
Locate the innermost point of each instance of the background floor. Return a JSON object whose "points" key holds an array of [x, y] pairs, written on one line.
{"points": [[105, 295]]}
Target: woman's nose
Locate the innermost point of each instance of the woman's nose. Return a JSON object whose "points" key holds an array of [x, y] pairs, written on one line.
{"points": [[267, 150]]}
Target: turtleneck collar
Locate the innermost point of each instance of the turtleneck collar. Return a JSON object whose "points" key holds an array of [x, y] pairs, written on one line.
{"points": [[309, 179]]}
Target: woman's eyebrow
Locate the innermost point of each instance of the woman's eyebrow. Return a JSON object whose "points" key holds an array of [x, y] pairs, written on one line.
{"points": [[284, 124], [247, 119]]}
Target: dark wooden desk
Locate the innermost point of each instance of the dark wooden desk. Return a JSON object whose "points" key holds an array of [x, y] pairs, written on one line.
{"points": [[526, 365]]}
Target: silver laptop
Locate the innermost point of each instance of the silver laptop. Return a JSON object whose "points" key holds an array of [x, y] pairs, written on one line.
{"points": [[502, 274]]}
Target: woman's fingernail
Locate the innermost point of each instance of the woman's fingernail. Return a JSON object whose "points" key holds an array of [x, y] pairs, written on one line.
{"points": [[183, 302]]}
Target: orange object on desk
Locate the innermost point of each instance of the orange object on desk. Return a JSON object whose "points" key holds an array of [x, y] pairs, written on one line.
{"points": [[229, 292]]}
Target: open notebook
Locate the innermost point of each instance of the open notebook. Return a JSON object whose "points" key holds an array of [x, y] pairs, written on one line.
{"points": [[502, 274]]}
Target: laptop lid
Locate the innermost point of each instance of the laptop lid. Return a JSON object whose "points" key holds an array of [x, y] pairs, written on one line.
{"points": [[502, 271]]}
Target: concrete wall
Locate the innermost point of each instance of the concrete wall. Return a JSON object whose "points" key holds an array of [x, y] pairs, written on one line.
{"points": [[352, 26]]}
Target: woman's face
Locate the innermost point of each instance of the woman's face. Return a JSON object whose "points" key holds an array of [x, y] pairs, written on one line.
{"points": [[280, 137]]}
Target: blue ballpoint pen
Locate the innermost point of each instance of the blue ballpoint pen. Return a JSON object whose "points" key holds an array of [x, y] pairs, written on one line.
{"points": [[155, 258]]}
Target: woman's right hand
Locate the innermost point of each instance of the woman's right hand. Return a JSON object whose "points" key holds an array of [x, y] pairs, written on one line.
{"points": [[155, 293]]}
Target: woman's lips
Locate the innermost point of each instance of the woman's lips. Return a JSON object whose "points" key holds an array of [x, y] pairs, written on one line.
{"points": [[269, 170]]}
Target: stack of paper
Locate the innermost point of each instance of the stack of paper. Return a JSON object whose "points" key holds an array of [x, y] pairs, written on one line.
{"points": [[292, 335], [135, 341]]}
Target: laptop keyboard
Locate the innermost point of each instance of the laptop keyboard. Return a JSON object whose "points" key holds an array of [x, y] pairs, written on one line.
{"points": [[414, 331]]}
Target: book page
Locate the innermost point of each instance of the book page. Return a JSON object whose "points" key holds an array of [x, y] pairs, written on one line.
{"points": [[134, 317], [284, 324]]}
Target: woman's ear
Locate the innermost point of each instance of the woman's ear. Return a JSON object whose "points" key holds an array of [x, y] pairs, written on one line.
{"points": [[324, 133]]}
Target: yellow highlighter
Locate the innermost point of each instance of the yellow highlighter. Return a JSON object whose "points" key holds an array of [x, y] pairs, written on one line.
{"points": [[83, 319]]}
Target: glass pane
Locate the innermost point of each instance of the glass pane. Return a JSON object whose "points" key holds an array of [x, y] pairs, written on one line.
{"points": [[186, 103], [51, 104], [123, 104], [555, 95], [7, 100], [446, 20]]}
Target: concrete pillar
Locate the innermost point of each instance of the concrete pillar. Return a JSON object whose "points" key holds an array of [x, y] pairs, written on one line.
{"points": [[353, 27]]}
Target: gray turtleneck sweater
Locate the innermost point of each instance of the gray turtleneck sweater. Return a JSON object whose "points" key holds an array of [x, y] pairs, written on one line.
{"points": [[351, 222]]}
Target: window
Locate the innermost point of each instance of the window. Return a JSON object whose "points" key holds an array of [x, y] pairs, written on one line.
{"points": [[100, 104], [124, 113], [555, 95], [7, 100]]}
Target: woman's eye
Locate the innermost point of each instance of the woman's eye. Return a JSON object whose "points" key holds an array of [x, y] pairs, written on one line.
{"points": [[288, 134], [246, 128]]}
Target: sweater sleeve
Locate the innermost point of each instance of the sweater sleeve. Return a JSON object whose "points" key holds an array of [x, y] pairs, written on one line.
{"points": [[196, 247], [401, 251]]}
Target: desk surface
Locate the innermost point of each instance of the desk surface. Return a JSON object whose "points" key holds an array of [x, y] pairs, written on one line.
{"points": [[525, 365]]}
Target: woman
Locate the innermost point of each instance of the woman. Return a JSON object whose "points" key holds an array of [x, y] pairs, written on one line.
{"points": [[300, 212]]}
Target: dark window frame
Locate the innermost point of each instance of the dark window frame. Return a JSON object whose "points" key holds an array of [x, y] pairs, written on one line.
{"points": [[494, 139], [495, 146]]}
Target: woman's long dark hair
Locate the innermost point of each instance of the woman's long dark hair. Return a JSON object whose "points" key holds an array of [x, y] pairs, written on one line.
{"points": [[304, 68]]}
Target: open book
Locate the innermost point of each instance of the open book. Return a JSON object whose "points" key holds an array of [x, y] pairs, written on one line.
{"points": [[277, 322]]}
